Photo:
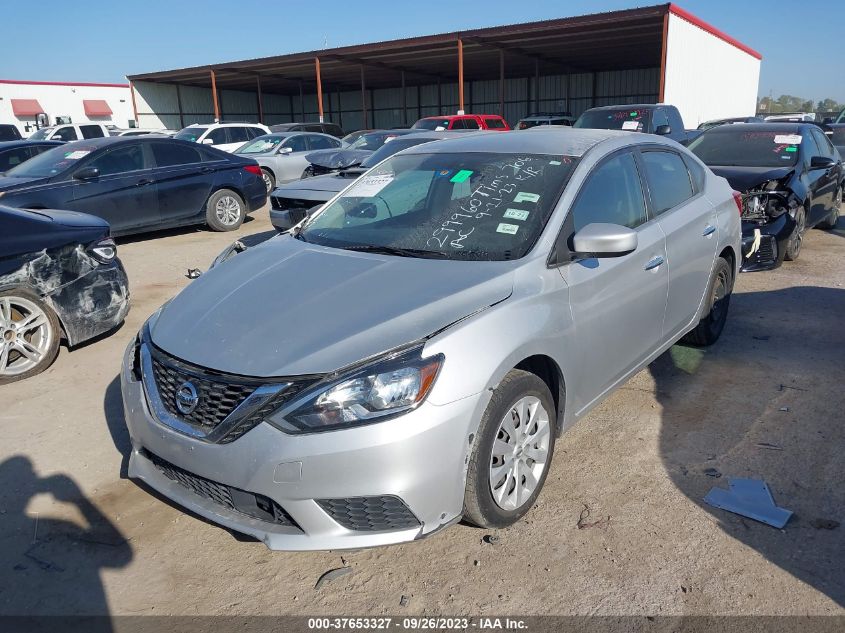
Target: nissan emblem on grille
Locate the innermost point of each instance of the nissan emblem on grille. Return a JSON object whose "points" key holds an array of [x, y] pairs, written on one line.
{"points": [[187, 398]]}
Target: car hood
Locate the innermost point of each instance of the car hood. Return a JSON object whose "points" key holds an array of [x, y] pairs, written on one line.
{"points": [[329, 183], [74, 219], [287, 308], [337, 158], [744, 178]]}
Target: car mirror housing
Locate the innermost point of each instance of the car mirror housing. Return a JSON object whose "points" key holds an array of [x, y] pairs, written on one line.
{"points": [[87, 173], [821, 162], [605, 240], [285, 150], [207, 141], [663, 130]]}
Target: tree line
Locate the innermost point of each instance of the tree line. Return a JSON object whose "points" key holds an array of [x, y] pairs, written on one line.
{"points": [[791, 103]]}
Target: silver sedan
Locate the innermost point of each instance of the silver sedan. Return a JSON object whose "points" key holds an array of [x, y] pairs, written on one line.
{"points": [[282, 156], [408, 356]]}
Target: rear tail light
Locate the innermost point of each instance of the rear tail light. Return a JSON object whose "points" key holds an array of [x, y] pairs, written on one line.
{"points": [[738, 200], [253, 169], [104, 251]]}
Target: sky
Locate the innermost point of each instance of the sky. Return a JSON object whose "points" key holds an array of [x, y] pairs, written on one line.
{"points": [[98, 41]]}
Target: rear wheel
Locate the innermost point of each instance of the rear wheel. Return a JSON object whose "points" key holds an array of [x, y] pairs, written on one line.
{"points": [[225, 210], [709, 329], [830, 221], [29, 335], [512, 452], [269, 179], [793, 246]]}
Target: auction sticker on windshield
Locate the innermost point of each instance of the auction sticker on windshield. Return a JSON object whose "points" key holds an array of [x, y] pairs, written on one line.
{"points": [[77, 154], [369, 186], [787, 139]]}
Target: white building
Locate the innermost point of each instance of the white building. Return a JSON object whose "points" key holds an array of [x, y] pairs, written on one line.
{"points": [[22, 101]]}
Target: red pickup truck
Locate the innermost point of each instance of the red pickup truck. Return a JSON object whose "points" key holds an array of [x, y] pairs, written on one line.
{"points": [[463, 122]]}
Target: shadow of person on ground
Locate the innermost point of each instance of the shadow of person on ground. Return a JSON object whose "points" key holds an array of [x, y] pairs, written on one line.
{"points": [[777, 363], [52, 566]]}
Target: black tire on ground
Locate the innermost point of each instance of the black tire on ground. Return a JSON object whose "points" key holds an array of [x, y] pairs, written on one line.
{"points": [[793, 246], [718, 297], [829, 223], [480, 508], [55, 329], [269, 179], [225, 210]]}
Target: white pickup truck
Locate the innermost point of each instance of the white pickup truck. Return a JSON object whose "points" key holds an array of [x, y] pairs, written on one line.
{"points": [[70, 132]]}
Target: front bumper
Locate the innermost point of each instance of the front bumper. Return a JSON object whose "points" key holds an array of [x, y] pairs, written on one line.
{"points": [[418, 459], [766, 250]]}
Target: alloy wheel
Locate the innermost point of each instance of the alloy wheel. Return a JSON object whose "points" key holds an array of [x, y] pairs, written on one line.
{"points": [[797, 237], [520, 453], [228, 210], [267, 182], [25, 335]]}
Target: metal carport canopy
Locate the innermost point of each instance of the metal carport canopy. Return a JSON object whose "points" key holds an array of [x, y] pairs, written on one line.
{"points": [[616, 40]]}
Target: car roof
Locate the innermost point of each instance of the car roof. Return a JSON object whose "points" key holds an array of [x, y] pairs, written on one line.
{"points": [[23, 142], [629, 106], [457, 116], [562, 141], [770, 126]]}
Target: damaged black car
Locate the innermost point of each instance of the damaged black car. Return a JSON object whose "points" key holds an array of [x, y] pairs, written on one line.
{"points": [[790, 177], [60, 279]]}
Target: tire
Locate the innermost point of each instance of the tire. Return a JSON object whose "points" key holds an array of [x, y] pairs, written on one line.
{"points": [[793, 246], [269, 179], [225, 210], [481, 506], [829, 223], [26, 352], [709, 329]]}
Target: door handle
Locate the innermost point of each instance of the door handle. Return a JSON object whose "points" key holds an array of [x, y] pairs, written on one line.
{"points": [[654, 262], [709, 230], [143, 182]]}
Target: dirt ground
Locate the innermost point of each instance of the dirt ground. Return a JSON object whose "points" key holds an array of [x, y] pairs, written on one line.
{"points": [[766, 402]]}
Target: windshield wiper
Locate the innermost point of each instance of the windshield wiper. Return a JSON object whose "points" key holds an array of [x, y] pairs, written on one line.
{"points": [[395, 250]]}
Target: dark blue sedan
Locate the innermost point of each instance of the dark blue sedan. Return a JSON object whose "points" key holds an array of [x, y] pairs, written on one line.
{"points": [[139, 183], [14, 153]]}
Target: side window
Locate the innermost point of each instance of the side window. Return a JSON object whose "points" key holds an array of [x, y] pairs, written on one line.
{"points": [[91, 131], [613, 193], [658, 118], [120, 160], [457, 124], [319, 142], [13, 158], [218, 136], [825, 147], [494, 123], [297, 143], [675, 120], [167, 154], [314, 127], [238, 135], [811, 148], [696, 172], [65, 134], [668, 180], [471, 124], [334, 130], [254, 132]]}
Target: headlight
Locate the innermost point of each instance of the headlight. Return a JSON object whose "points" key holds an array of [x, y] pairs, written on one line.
{"points": [[387, 387], [104, 251]]}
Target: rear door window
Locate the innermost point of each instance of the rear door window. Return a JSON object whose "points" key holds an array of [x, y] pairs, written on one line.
{"points": [[218, 136], [316, 141], [91, 131], [254, 132], [470, 124], [238, 135], [457, 124], [65, 134], [494, 123], [613, 194], [297, 143], [668, 179], [170, 154]]}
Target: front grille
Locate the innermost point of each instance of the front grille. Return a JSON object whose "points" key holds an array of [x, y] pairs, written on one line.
{"points": [[370, 514], [217, 399], [248, 503]]}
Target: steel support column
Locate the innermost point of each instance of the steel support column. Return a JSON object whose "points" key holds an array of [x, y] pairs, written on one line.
{"points": [[301, 103], [536, 85], [460, 76], [363, 99], [134, 106], [319, 88], [214, 95], [260, 99], [502, 83], [179, 105], [404, 101]]}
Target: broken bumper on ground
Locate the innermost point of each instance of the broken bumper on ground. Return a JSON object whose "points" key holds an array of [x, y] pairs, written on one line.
{"points": [[764, 245], [391, 482]]}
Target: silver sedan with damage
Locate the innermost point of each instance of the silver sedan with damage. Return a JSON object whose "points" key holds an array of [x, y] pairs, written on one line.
{"points": [[407, 356], [282, 156]]}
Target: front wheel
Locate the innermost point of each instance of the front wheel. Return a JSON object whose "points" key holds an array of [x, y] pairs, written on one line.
{"points": [[718, 298], [225, 210], [793, 246], [29, 335], [511, 455]]}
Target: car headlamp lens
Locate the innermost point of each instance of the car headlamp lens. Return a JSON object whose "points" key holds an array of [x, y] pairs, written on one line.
{"points": [[372, 394]]}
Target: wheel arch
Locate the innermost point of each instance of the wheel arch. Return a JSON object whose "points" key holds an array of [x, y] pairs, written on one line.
{"points": [[729, 255], [547, 370]]}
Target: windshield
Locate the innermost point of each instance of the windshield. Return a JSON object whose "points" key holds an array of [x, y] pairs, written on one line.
{"points": [[389, 149], [40, 135], [634, 119], [728, 146], [471, 206], [51, 162], [372, 141], [437, 125], [261, 145], [190, 133], [353, 136]]}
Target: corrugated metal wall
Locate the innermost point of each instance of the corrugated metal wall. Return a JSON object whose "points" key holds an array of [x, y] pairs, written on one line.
{"points": [[706, 77], [157, 103]]}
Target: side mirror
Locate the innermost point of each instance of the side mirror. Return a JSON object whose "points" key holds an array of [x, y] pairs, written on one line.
{"points": [[285, 150], [207, 141], [87, 173], [364, 211], [663, 130], [821, 162], [605, 240]]}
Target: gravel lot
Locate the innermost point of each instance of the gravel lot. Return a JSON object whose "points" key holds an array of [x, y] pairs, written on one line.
{"points": [[78, 537]]}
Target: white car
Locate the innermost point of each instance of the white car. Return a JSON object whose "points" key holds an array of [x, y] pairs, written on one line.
{"points": [[225, 136], [137, 131], [70, 132]]}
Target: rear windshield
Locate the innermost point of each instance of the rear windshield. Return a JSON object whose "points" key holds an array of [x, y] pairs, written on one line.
{"points": [[372, 140], [729, 146], [190, 133], [494, 124], [389, 149], [432, 124], [52, 162], [633, 119], [9, 133]]}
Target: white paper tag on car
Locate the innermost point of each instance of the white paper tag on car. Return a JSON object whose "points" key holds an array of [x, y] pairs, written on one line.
{"points": [[631, 125], [787, 139], [80, 153], [510, 229], [369, 186]]}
